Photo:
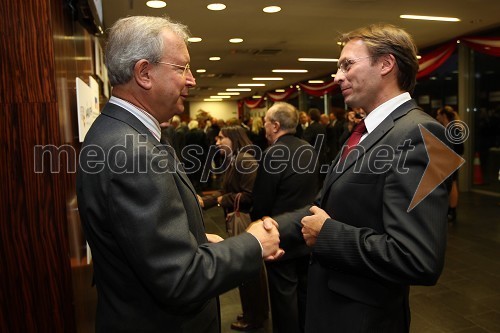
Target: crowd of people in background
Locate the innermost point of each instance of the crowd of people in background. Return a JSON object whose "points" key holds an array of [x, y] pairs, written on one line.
{"points": [[326, 132]]}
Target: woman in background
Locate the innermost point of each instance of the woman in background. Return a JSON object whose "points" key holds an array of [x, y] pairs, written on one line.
{"points": [[239, 177], [445, 116]]}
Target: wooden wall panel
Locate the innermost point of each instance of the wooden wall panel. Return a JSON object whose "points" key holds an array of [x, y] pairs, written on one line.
{"points": [[40, 58]]}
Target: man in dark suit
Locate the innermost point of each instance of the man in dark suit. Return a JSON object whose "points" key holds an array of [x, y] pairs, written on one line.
{"points": [[368, 246], [155, 268], [287, 179]]}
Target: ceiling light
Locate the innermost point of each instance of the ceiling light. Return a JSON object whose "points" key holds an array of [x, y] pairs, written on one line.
{"points": [[256, 96], [214, 58], [229, 93], [267, 78], [238, 89], [289, 70], [430, 18], [315, 81], [213, 99], [271, 9], [201, 70], [235, 40], [220, 97], [156, 4], [280, 90], [216, 6], [251, 84], [334, 75], [319, 59], [194, 39]]}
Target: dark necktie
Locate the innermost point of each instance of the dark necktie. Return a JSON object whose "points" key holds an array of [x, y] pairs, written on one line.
{"points": [[354, 138]]}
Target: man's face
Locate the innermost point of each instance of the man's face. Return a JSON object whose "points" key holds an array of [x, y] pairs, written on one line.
{"points": [[359, 80], [171, 83]]}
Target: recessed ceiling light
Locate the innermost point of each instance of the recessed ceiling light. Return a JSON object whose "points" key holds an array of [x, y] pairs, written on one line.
{"points": [[156, 4], [220, 96], [256, 96], [334, 75], [213, 99], [280, 90], [201, 70], [289, 70], [319, 59], [235, 40], [430, 18], [251, 84], [238, 89], [271, 9], [267, 78], [214, 58], [229, 93], [315, 81], [194, 39], [216, 6]]}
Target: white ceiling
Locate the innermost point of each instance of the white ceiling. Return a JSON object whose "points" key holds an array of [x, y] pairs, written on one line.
{"points": [[302, 29]]}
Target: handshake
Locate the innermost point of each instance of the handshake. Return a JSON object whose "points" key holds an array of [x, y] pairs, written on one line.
{"points": [[266, 232]]}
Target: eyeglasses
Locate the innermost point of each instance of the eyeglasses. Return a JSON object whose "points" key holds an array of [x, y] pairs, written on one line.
{"points": [[346, 64], [185, 68]]}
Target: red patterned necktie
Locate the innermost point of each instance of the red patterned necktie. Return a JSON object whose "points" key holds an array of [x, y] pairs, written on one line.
{"points": [[354, 138]]}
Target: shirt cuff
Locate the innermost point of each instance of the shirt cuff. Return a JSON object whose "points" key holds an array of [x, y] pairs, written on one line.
{"points": [[261, 248]]}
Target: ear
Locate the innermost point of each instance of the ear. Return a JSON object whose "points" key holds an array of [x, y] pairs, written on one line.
{"points": [[142, 70], [276, 126], [388, 63]]}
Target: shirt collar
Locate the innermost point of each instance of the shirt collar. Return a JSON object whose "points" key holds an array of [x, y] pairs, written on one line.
{"points": [[144, 117], [374, 118]]}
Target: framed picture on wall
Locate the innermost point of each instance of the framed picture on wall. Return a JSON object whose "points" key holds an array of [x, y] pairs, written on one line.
{"points": [[99, 59]]}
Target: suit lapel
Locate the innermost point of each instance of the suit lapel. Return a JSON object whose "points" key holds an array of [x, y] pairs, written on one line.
{"points": [[117, 112], [338, 169]]}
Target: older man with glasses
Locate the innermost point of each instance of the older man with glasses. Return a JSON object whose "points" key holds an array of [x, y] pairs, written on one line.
{"points": [[155, 268]]}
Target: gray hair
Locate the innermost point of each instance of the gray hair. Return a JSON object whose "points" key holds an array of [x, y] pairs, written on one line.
{"points": [[134, 38], [286, 114]]}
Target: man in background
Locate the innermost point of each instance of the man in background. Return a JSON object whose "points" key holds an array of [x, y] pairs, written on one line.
{"points": [[287, 179]]}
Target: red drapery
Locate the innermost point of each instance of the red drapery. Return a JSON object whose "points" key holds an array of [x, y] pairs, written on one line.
{"points": [[486, 45], [278, 97], [319, 89], [433, 60], [253, 103], [428, 63]]}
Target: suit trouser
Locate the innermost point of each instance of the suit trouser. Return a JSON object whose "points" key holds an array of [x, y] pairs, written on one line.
{"points": [[254, 299], [288, 291]]}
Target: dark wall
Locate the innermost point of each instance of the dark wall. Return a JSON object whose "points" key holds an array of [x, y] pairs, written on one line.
{"points": [[42, 51]]}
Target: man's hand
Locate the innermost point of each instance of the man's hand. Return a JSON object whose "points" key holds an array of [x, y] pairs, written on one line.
{"points": [[312, 224], [213, 238], [266, 231]]}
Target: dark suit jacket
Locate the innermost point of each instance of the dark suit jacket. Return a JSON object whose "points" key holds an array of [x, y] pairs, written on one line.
{"points": [[154, 270], [315, 134], [287, 179], [372, 249]]}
